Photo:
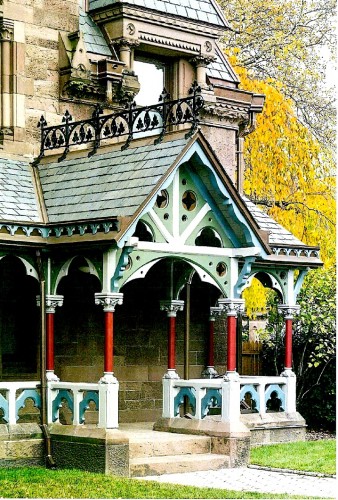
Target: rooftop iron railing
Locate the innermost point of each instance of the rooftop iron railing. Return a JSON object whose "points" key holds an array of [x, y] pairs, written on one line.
{"points": [[127, 122]]}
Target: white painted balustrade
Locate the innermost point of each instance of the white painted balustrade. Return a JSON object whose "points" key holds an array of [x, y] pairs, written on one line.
{"points": [[13, 396], [77, 396], [227, 393]]}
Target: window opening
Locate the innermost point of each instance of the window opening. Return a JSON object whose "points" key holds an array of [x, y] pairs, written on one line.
{"points": [[151, 78]]}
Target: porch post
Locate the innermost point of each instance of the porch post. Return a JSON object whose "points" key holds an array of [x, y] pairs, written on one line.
{"points": [[288, 312], [171, 307], [231, 307], [109, 302], [210, 371], [52, 302]]}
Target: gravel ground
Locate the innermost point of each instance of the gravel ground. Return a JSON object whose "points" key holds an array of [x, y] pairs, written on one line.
{"points": [[314, 435]]}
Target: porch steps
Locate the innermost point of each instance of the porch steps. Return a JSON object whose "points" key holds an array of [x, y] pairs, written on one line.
{"points": [[153, 453]]}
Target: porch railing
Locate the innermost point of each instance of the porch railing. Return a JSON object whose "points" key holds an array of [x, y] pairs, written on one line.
{"points": [[229, 398], [71, 403], [67, 402], [72, 400], [14, 396]]}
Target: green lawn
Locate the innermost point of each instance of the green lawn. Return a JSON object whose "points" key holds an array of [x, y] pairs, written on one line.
{"points": [[42, 483], [37, 482], [311, 456]]}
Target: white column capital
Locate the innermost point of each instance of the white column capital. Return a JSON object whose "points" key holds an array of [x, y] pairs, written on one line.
{"points": [[109, 300], [172, 307], [215, 312], [52, 302], [287, 311], [232, 306]]}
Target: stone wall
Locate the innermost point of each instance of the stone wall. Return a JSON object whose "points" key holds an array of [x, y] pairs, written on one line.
{"points": [[21, 445], [36, 27]]}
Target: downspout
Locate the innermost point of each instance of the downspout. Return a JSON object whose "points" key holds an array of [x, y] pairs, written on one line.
{"points": [[50, 463]]}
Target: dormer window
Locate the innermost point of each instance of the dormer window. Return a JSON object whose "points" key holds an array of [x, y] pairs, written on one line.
{"points": [[151, 78]]}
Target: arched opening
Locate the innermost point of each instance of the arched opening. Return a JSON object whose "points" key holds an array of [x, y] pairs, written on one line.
{"points": [[79, 326], [141, 342], [263, 293], [19, 321], [208, 237]]}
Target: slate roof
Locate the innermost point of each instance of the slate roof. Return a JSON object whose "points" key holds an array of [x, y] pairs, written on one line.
{"points": [[221, 68], [18, 202], [92, 35], [109, 184], [198, 10], [278, 235]]}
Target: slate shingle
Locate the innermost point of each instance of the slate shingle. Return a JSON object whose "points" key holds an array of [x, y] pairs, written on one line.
{"points": [[18, 201], [206, 11], [278, 235], [105, 185]]}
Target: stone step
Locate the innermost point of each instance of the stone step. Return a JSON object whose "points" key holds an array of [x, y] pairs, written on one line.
{"points": [[156, 466], [164, 443]]}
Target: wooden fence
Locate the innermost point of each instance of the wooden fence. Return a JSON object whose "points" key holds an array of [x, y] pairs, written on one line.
{"points": [[251, 358]]}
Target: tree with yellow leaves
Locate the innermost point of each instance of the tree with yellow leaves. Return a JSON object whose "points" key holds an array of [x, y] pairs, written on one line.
{"points": [[285, 41], [288, 173]]}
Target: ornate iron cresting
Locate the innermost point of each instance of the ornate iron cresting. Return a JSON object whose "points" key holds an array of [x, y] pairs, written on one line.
{"points": [[128, 122]]}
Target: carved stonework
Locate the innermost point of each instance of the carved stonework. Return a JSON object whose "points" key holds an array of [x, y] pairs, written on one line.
{"points": [[125, 43], [287, 311], [108, 300], [202, 60], [169, 42], [227, 111], [215, 312], [52, 302], [6, 30], [231, 306], [172, 306]]}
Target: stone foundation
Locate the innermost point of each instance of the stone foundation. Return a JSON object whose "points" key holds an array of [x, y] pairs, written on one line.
{"points": [[21, 445], [232, 439], [91, 449], [275, 427]]}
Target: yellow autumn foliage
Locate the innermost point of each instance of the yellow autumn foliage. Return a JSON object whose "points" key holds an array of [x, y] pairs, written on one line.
{"points": [[288, 173]]}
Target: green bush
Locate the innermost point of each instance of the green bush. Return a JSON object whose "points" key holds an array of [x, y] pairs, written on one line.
{"points": [[314, 355]]}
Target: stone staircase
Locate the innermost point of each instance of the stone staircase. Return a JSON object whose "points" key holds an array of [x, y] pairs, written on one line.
{"points": [[154, 453]]}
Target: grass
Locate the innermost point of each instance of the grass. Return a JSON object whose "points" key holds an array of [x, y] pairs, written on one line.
{"points": [[41, 483], [37, 482], [311, 456]]}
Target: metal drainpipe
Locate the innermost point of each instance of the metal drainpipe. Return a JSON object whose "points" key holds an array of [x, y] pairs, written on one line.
{"points": [[50, 463]]}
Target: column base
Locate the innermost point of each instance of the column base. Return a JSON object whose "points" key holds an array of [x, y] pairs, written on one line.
{"points": [[209, 372], [231, 375], [51, 377], [288, 372], [171, 374], [108, 378]]}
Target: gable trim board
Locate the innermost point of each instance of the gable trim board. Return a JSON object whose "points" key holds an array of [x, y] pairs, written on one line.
{"points": [[150, 169]]}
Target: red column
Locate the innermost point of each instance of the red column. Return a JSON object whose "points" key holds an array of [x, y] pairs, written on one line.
{"points": [[171, 342], [109, 300], [52, 302], [108, 341], [50, 341], [231, 307], [211, 361], [171, 307], [232, 343], [288, 313], [288, 343]]}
